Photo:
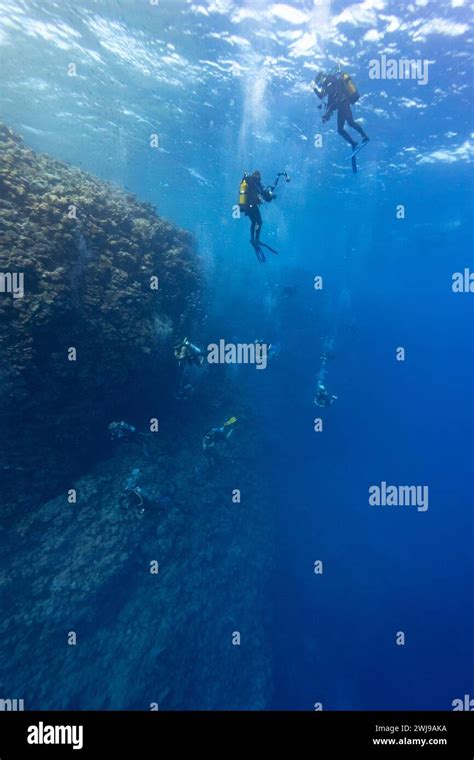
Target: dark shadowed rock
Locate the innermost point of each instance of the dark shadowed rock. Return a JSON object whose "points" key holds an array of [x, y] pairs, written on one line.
{"points": [[86, 286]]}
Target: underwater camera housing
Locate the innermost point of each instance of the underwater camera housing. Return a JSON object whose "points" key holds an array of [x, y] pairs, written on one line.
{"points": [[268, 193]]}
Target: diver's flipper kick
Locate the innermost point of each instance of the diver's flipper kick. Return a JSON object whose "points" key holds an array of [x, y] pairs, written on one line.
{"points": [[264, 245], [355, 152], [251, 195], [359, 147], [258, 250]]}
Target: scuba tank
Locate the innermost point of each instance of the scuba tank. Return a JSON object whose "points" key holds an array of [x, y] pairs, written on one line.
{"points": [[243, 191], [350, 90]]}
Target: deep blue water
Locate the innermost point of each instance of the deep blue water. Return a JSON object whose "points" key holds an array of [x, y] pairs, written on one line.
{"points": [[226, 87]]}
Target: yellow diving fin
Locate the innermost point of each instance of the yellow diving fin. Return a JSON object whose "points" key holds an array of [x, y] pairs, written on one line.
{"points": [[230, 421]]}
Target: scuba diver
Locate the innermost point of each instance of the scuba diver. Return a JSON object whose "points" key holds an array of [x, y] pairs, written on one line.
{"points": [[219, 435], [122, 430], [187, 352], [251, 194], [323, 398], [341, 93], [132, 498], [137, 498]]}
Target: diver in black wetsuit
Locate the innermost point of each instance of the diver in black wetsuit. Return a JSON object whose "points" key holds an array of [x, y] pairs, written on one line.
{"points": [[189, 353], [218, 435], [251, 194], [323, 398], [254, 191], [339, 95]]}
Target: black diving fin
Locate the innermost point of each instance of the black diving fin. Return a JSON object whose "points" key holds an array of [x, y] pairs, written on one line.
{"points": [[258, 250], [264, 245]]}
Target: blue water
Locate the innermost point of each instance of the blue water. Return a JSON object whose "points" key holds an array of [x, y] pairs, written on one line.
{"points": [[225, 85]]}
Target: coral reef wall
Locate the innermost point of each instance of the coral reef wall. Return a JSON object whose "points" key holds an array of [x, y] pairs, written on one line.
{"points": [[89, 621], [88, 254]]}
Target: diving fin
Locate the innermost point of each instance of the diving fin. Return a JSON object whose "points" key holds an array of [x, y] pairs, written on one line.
{"points": [[264, 245], [230, 421], [359, 147], [258, 251]]}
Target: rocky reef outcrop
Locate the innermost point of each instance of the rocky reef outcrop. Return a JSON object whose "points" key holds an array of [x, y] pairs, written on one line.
{"points": [[130, 576], [106, 284], [143, 637]]}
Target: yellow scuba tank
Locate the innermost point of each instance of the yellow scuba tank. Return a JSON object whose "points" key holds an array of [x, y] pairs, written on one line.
{"points": [[243, 191], [349, 88]]}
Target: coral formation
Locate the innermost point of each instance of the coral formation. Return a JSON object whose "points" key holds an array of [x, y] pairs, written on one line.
{"points": [[87, 252]]}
